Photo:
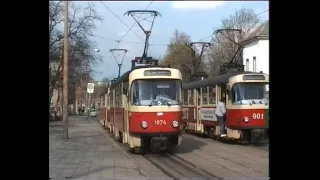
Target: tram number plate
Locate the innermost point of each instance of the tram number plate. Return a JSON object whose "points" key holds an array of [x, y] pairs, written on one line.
{"points": [[160, 122], [257, 116]]}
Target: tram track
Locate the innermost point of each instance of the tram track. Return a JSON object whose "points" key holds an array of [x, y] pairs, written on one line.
{"points": [[176, 167]]}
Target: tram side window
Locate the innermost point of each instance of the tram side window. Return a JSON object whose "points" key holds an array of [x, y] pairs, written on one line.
{"points": [[119, 94], [191, 97], [198, 99], [111, 98], [185, 97], [212, 95], [107, 101], [135, 94], [125, 88], [116, 96], [204, 95]]}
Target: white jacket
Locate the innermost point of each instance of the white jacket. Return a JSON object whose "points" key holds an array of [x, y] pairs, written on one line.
{"points": [[220, 109]]}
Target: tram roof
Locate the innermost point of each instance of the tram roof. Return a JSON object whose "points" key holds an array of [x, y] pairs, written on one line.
{"points": [[220, 79], [125, 76]]}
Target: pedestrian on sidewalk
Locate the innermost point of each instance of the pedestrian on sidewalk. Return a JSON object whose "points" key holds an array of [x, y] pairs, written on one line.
{"points": [[82, 110], [79, 110]]}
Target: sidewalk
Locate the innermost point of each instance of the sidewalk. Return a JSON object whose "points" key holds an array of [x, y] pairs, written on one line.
{"points": [[88, 154]]}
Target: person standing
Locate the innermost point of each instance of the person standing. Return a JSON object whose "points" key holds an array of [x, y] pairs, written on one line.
{"points": [[220, 114]]}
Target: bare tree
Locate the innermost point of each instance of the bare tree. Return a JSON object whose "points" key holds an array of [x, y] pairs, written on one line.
{"points": [[180, 55], [225, 44], [81, 55], [106, 80]]}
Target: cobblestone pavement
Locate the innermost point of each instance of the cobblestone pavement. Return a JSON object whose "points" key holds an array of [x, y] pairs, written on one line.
{"points": [[90, 154], [223, 159]]}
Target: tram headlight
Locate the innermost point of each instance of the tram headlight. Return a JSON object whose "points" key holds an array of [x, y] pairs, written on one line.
{"points": [[144, 124], [175, 124], [246, 119]]}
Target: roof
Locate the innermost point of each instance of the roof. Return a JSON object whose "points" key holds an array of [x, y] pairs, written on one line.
{"points": [[220, 79], [262, 32], [125, 76]]}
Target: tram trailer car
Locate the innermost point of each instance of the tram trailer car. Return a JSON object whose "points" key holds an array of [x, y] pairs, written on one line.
{"points": [[247, 109], [136, 117]]}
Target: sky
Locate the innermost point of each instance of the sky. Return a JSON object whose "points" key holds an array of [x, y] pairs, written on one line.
{"points": [[195, 18]]}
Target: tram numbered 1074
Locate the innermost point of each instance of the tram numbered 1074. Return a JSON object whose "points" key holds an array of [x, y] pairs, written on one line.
{"points": [[247, 106], [143, 108]]}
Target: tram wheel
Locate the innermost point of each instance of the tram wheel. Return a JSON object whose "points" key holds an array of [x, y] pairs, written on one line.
{"points": [[120, 137], [245, 137], [211, 133]]}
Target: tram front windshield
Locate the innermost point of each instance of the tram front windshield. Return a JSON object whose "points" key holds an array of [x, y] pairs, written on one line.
{"points": [[152, 92], [250, 93]]}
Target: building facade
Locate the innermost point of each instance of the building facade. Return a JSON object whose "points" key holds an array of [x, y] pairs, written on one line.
{"points": [[256, 50]]}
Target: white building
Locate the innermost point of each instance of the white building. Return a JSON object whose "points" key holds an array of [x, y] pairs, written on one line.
{"points": [[256, 50]]}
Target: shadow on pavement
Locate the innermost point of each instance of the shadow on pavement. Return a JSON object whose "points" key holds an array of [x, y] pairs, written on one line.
{"points": [[264, 143], [189, 144]]}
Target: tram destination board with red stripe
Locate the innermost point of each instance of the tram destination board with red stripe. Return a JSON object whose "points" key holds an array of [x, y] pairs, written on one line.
{"points": [[157, 73]]}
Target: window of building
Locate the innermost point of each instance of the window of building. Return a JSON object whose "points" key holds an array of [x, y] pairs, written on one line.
{"points": [[247, 64], [254, 64]]}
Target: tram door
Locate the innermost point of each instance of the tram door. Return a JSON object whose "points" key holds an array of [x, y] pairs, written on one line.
{"points": [[198, 108], [222, 95]]}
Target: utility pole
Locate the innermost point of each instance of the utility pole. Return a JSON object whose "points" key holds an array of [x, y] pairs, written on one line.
{"points": [[65, 73]]}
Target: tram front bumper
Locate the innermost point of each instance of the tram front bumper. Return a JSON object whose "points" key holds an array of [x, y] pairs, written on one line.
{"points": [[258, 134], [159, 143]]}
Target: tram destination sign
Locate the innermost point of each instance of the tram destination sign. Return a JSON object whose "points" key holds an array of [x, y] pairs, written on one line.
{"points": [[157, 73], [253, 77]]}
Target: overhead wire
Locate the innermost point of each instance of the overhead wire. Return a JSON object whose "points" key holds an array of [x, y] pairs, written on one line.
{"points": [[160, 44], [120, 20], [128, 41], [132, 26], [130, 29]]}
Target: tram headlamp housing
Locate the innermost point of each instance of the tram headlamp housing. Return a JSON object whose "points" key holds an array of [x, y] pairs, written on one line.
{"points": [[144, 124], [246, 119], [175, 124]]}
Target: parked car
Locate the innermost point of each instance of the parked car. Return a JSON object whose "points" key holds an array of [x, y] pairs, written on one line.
{"points": [[93, 113]]}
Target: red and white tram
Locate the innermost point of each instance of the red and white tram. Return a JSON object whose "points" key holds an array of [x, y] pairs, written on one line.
{"points": [[143, 108], [247, 99]]}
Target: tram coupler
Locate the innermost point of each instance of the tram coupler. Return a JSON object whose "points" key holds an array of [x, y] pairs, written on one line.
{"points": [[158, 143]]}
